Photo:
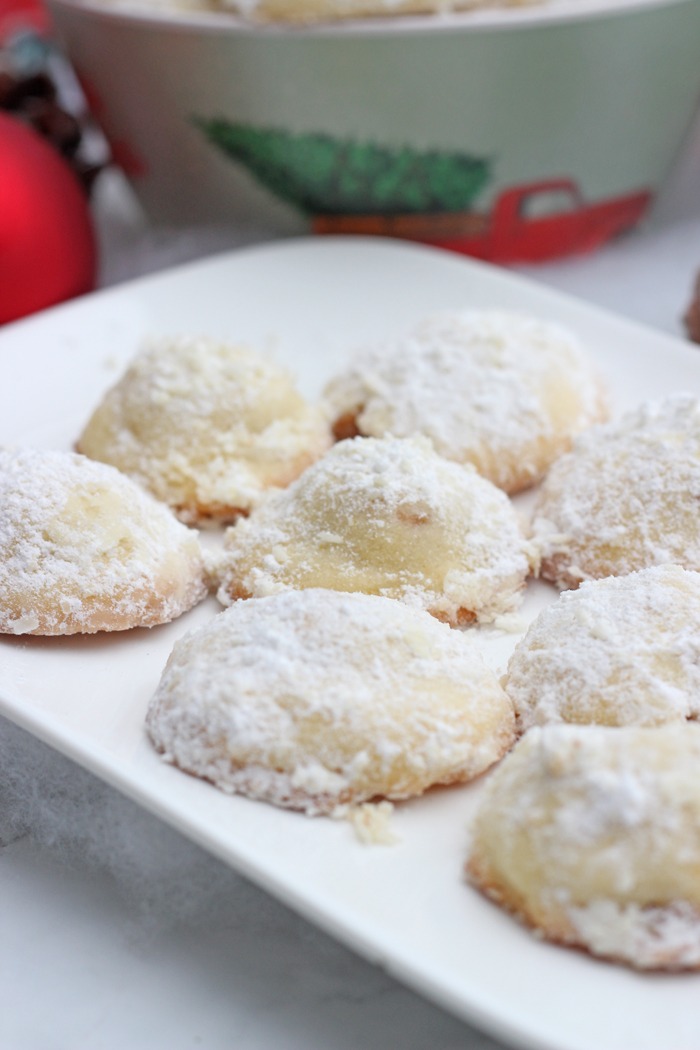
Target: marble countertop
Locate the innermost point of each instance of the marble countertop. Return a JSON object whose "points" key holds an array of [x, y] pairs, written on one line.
{"points": [[117, 932]]}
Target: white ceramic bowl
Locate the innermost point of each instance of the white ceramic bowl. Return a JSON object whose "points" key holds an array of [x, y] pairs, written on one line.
{"points": [[513, 134]]}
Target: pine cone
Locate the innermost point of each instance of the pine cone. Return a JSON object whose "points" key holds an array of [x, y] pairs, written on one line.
{"points": [[691, 318], [34, 99]]}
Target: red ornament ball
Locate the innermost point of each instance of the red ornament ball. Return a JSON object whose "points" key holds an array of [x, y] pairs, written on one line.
{"points": [[47, 241]]}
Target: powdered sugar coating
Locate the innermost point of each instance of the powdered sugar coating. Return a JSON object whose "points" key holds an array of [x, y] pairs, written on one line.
{"points": [[625, 498], [385, 516], [314, 699], [206, 426], [620, 651], [84, 549], [592, 835], [502, 391]]}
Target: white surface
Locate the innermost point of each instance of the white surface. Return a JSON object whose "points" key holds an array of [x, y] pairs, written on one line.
{"points": [[308, 302]]}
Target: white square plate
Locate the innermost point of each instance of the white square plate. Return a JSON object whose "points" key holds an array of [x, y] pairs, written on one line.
{"points": [[309, 303]]}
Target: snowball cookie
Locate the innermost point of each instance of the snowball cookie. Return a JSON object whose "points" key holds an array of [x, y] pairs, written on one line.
{"points": [[619, 651], [592, 836], [84, 549], [385, 516], [625, 497], [312, 699], [206, 426], [502, 391]]}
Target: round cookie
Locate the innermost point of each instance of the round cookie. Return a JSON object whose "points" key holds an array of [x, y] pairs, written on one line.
{"points": [[314, 699], [206, 426], [84, 549], [384, 516], [592, 836], [624, 498], [620, 651], [504, 392]]}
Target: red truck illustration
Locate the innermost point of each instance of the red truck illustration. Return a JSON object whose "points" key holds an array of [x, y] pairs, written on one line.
{"points": [[532, 222], [348, 185]]}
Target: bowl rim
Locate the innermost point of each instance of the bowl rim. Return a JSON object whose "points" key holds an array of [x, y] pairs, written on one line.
{"points": [[501, 18]]}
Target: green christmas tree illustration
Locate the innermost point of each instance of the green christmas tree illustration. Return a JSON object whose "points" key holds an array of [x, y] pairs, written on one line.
{"points": [[322, 175]]}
